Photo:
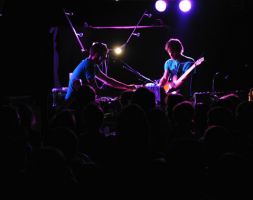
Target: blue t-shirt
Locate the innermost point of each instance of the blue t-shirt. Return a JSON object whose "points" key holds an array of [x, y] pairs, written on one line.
{"points": [[86, 70], [179, 68]]}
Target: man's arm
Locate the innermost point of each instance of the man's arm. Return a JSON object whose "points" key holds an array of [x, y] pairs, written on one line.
{"points": [[113, 82]]}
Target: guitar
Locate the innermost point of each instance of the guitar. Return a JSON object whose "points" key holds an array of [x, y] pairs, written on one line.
{"points": [[175, 84]]}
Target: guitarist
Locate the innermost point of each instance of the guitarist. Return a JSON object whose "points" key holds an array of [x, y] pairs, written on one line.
{"points": [[174, 67]]}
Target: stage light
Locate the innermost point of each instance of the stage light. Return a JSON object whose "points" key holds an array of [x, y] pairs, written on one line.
{"points": [[118, 50], [184, 5], [160, 5]]}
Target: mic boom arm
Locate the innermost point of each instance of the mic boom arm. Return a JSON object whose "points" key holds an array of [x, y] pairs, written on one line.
{"points": [[126, 66], [77, 35]]}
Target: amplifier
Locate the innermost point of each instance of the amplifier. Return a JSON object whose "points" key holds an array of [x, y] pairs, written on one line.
{"points": [[58, 95], [210, 97], [206, 97]]}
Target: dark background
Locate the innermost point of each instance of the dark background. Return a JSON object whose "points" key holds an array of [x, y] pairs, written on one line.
{"points": [[219, 31]]}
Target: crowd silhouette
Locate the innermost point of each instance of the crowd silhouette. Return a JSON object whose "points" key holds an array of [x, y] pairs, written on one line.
{"points": [[177, 148]]}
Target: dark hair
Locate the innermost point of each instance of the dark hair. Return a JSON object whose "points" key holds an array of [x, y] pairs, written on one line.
{"points": [[174, 45], [99, 47]]}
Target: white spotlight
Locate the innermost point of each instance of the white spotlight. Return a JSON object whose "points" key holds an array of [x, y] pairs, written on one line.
{"points": [[118, 50], [185, 5], [160, 5]]}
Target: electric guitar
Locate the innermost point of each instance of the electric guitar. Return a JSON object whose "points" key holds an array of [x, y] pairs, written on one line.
{"points": [[175, 84]]}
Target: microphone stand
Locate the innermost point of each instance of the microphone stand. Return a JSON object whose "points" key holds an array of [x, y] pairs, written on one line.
{"points": [[77, 35], [127, 67], [144, 14], [135, 27], [214, 96]]}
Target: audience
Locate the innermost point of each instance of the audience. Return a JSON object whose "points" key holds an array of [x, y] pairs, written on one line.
{"points": [[178, 143]]}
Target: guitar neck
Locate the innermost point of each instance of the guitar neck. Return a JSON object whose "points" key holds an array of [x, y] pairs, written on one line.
{"points": [[188, 71]]}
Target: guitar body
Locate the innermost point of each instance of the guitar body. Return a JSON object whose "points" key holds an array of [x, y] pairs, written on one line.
{"points": [[172, 86], [168, 87]]}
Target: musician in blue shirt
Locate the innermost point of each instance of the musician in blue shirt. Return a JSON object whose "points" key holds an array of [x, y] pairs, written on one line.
{"points": [[88, 71], [175, 76]]}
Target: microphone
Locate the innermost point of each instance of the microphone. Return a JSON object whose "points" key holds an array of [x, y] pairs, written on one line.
{"points": [[213, 82], [137, 34], [149, 15], [69, 13], [80, 34]]}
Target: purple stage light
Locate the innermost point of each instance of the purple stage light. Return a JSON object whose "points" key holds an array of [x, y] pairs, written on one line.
{"points": [[185, 5], [160, 5]]}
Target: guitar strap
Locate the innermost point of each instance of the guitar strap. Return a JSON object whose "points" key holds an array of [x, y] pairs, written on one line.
{"points": [[179, 70]]}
